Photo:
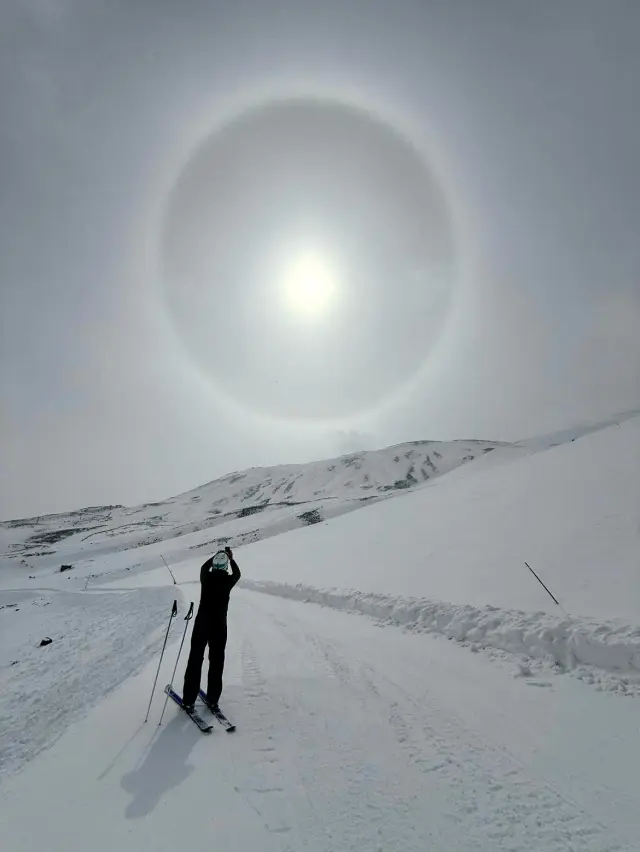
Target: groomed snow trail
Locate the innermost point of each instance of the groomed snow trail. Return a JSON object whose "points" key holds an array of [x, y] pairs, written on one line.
{"points": [[350, 737]]}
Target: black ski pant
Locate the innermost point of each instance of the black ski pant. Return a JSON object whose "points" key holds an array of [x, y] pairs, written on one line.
{"points": [[206, 631]]}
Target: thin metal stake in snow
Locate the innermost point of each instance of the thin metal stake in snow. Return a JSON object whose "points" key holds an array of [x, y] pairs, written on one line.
{"points": [[542, 584], [169, 570], [174, 612], [187, 619]]}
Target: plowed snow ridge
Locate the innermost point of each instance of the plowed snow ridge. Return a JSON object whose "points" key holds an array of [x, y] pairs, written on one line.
{"points": [[568, 642]]}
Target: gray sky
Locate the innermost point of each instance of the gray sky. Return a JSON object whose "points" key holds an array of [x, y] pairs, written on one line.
{"points": [[458, 182]]}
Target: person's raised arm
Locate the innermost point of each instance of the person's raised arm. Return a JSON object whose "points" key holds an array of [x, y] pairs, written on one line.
{"points": [[235, 570], [205, 569]]}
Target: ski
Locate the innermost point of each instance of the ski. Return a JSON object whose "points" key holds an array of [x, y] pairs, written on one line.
{"points": [[217, 712], [205, 727]]}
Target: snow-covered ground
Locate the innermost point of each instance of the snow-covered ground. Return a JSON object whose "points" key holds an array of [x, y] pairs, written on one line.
{"points": [[431, 713], [97, 640], [350, 737]]}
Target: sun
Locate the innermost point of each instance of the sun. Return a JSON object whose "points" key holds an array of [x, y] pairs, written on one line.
{"points": [[309, 283]]}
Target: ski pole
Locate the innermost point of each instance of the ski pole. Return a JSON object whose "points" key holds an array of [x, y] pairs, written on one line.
{"points": [[187, 619], [174, 612], [169, 570]]}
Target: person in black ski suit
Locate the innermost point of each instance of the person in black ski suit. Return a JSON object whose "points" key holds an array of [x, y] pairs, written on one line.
{"points": [[210, 628]]}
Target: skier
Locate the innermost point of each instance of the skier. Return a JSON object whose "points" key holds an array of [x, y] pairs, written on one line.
{"points": [[210, 628]]}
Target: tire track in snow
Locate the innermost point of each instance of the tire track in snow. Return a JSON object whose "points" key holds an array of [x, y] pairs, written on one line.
{"points": [[264, 791], [498, 801], [275, 789], [355, 799], [498, 797]]}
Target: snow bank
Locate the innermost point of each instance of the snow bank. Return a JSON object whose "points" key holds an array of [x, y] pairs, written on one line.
{"points": [[98, 640], [567, 642]]}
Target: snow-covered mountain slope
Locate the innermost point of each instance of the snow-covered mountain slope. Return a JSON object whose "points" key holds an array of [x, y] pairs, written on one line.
{"points": [[564, 436], [572, 512], [283, 497]]}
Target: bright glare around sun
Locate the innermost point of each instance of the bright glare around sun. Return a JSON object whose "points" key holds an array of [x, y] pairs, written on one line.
{"points": [[308, 283]]}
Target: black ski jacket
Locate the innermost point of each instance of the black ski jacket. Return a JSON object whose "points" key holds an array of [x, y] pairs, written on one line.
{"points": [[216, 588]]}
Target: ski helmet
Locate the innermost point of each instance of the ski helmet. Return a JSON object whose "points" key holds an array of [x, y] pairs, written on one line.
{"points": [[220, 561]]}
